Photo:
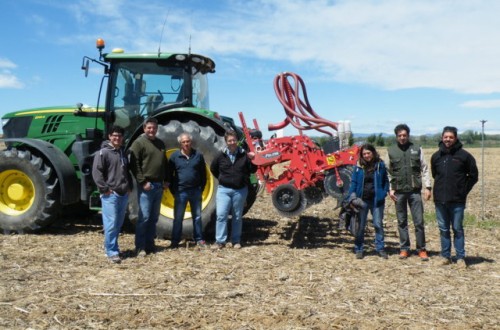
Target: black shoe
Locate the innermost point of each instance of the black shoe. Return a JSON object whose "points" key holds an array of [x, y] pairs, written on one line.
{"points": [[173, 245], [383, 254], [359, 255]]}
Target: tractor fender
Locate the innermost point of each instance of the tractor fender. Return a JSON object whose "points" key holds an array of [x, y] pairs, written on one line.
{"points": [[63, 167]]}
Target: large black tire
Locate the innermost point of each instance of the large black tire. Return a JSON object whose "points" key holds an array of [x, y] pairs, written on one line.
{"points": [[288, 201], [209, 143], [286, 198], [29, 191]]}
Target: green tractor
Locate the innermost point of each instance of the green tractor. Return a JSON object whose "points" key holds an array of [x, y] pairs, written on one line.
{"points": [[46, 166]]}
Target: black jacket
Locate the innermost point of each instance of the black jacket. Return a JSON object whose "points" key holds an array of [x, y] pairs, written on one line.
{"points": [[454, 172], [231, 175]]}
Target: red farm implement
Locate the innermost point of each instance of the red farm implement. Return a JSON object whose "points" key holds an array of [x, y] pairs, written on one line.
{"points": [[310, 172]]}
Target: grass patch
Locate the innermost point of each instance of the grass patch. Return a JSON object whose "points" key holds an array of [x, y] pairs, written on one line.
{"points": [[470, 220]]}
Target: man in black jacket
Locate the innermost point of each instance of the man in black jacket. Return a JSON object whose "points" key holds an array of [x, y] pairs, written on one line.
{"points": [[232, 167], [455, 173]]}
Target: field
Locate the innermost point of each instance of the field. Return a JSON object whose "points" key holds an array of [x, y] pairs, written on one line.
{"points": [[297, 273]]}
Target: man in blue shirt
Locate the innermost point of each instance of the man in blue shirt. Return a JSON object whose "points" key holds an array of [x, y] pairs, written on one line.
{"points": [[187, 178]]}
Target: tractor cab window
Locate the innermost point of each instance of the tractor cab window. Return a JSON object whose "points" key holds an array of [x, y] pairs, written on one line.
{"points": [[142, 88], [200, 91]]}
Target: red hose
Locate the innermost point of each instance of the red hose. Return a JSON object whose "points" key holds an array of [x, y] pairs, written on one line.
{"points": [[297, 110]]}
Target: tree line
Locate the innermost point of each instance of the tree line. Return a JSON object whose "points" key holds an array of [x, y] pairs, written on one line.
{"points": [[469, 138]]}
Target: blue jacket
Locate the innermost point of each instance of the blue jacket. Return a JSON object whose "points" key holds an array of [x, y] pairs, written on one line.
{"points": [[381, 183]]}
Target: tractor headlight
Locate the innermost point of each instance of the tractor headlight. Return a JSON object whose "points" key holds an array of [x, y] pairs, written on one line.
{"points": [[5, 122]]}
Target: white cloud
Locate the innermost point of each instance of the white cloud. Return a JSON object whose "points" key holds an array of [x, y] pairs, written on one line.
{"points": [[7, 64], [392, 44], [7, 79], [389, 44], [482, 104]]}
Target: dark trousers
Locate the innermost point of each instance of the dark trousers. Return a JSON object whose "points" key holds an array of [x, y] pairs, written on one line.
{"points": [[414, 200]]}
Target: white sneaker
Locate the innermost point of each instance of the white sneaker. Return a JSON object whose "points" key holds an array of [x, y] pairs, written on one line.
{"points": [[115, 259], [461, 264], [444, 261]]}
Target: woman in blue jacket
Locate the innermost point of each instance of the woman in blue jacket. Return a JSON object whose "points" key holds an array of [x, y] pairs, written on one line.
{"points": [[370, 183]]}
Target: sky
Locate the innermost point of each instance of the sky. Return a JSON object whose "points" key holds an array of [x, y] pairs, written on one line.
{"points": [[375, 63]]}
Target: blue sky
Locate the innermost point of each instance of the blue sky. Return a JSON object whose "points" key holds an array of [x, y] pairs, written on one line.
{"points": [[376, 63]]}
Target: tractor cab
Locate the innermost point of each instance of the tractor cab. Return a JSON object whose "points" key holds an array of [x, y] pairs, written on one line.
{"points": [[141, 85]]}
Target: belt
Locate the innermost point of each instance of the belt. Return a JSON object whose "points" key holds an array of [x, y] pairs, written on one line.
{"points": [[156, 184]]}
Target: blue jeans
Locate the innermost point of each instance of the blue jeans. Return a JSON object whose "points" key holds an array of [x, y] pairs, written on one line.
{"points": [[451, 214], [230, 200], [149, 212], [114, 207], [193, 196], [377, 215], [414, 200]]}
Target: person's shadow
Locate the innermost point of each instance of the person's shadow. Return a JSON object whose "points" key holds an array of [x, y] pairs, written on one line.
{"points": [[478, 260]]}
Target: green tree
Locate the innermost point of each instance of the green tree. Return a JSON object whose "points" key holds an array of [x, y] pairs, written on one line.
{"points": [[380, 142], [436, 137], [467, 137], [371, 139], [422, 139]]}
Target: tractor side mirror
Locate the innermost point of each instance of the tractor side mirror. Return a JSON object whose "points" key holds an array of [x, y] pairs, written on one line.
{"points": [[85, 66]]}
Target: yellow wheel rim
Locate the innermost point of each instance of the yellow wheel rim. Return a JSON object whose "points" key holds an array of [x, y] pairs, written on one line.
{"points": [[17, 192], [167, 203]]}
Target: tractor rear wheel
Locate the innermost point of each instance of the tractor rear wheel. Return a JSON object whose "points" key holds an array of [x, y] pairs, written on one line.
{"points": [[29, 191]]}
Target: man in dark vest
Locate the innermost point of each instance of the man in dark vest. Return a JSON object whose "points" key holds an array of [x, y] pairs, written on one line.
{"points": [[408, 172]]}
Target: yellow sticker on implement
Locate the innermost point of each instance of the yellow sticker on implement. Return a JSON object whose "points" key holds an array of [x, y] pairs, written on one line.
{"points": [[330, 160]]}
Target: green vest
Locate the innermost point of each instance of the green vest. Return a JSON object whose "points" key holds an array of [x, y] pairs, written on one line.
{"points": [[405, 168]]}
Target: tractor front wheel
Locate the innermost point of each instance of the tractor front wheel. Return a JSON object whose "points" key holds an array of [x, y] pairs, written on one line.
{"points": [[28, 191]]}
